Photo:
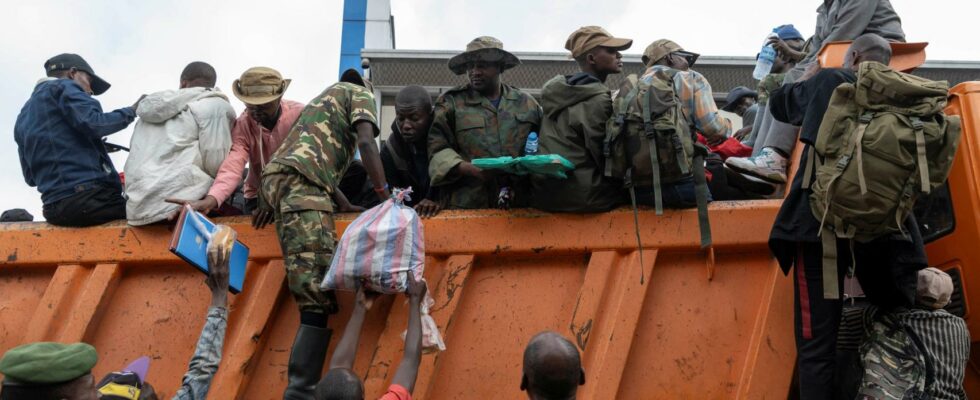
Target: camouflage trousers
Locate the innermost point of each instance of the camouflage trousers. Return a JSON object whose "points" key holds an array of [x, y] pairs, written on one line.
{"points": [[304, 224]]}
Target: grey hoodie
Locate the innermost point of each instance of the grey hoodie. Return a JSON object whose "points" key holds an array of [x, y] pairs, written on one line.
{"points": [[574, 127]]}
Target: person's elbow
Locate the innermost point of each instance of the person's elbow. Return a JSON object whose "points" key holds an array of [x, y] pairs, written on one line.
{"points": [[366, 143]]}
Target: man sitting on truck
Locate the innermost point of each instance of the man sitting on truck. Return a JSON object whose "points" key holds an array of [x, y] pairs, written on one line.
{"points": [[552, 368], [886, 267], [577, 107], [54, 371], [484, 118], [60, 138], [179, 142], [837, 20], [405, 154], [341, 383]]}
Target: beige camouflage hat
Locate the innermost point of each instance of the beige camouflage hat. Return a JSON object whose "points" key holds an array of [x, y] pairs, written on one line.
{"points": [[259, 85], [934, 288], [587, 38], [661, 48], [486, 49]]}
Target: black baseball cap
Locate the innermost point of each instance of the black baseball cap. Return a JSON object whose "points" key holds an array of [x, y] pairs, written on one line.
{"points": [[66, 61], [731, 102]]}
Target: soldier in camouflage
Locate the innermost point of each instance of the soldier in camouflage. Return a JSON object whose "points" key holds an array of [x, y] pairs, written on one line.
{"points": [[484, 118], [297, 187]]}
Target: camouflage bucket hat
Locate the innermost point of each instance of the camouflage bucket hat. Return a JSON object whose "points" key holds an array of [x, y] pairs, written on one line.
{"points": [[259, 85], [485, 49]]}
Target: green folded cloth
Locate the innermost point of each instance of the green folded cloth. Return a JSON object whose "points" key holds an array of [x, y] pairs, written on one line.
{"points": [[540, 164]]}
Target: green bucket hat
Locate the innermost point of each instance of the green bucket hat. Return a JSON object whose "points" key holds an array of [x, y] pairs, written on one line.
{"points": [[484, 49]]}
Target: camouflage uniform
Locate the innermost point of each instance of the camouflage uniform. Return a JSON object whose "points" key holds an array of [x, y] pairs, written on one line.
{"points": [[767, 85], [299, 180], [467, 126]]}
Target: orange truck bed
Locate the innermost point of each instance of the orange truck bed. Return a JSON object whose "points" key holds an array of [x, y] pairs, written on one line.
{"points": [[682, 325]]}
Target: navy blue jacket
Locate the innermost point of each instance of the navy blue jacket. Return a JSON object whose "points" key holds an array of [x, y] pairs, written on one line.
{"points": [[59, 139]]}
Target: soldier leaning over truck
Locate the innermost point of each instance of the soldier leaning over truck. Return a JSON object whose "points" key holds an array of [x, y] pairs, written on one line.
{"points": [[484, 118], [297, 185]]}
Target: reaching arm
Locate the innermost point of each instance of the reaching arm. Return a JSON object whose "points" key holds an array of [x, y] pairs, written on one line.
{"points": [[408, 369], [84, 113], [371, 158], [207, 355], [230, 173], [343, 355], [445, 164]]}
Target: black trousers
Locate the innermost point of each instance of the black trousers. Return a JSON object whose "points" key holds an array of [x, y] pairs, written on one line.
{"points": [[887, 271], [92, 204]]}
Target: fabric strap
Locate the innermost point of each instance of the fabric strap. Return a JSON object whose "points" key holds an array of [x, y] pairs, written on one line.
{"points": [[831, 290], [651, 136], [920, 147], [857, 145], [811, 162], [701, 196], [636, 221]]}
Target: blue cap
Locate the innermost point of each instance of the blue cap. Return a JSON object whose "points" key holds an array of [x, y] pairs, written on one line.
{"points": [[788, 32]]}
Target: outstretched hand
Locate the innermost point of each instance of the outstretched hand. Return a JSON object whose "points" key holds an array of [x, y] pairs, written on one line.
{"points": [[416, 288], [427, 208], [202, 206], [365, 298]]}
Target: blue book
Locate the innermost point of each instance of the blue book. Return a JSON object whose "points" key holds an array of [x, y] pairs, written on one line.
{"points": [[192, 246]]}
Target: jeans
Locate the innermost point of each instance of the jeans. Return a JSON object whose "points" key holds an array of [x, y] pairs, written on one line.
{"points": [[91, 204]]}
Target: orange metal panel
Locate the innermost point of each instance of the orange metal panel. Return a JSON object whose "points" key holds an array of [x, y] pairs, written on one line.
{"points": [[660, 330]]}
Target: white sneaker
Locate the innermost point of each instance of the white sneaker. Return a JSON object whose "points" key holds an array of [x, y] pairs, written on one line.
{"points": [[768, 166]]}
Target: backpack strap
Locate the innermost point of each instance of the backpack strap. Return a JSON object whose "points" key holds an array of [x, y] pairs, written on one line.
{"points": [[701, 197], [621, 113], [811, 164], [831, 289], [920, 147], [857, 145], [651, 135], [636, 219], [853, 146]]}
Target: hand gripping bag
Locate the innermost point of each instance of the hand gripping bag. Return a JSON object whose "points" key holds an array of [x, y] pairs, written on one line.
{"points": [[378, 248]]}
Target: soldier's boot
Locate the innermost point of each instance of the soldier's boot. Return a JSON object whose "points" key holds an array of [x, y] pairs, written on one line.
{"points": [[306, 361]]}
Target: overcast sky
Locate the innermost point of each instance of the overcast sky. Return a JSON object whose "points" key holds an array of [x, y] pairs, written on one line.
{"points": [[141, 46]]}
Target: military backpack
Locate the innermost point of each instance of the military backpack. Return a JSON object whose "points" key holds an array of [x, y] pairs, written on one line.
{"points": [[649, 142], [895, 362], [883, 141]]}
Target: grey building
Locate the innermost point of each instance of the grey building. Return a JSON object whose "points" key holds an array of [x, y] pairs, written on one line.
{"points": [[391, 70]]}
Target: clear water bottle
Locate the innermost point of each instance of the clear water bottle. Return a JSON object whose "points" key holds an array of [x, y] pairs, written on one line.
{"points": [[766, 58], [531, 147]]}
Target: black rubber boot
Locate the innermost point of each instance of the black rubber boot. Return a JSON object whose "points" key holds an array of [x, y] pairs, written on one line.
{"points": [[306, 361]]}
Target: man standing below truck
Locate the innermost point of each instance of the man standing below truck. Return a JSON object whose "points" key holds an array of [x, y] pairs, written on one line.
{"points": [[886, 267]]}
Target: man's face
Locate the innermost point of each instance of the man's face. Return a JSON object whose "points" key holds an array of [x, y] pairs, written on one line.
{"points": [[607, 60], [483, 75], [743, 105], [264, 113], [82, 78], [413, 123], [677, 61]]}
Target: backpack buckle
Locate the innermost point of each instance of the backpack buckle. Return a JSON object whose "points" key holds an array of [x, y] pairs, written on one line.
{"points": [[843, 161], [917, 124], [866, 118]]}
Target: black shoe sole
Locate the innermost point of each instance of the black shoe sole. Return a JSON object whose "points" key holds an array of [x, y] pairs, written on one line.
{"points": [[752, 174], [737, 179]]}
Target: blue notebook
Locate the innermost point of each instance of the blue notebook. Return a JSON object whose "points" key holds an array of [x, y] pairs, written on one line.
{"points": [[192, 246]]}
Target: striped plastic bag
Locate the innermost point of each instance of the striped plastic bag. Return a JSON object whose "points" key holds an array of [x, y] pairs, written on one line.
{"points": [[378, 247]]}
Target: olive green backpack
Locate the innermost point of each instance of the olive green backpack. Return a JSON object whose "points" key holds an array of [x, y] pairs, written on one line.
{"points": [[649, 142], [883, 141]]}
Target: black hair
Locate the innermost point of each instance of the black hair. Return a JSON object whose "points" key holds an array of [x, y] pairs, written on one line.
{"points": [[55, 391], [552, 366], [413, 97], [339, 384], [200, 74]]}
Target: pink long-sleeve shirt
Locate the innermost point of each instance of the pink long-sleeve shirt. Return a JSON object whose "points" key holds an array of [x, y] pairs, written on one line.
{"points": [[245, 147]]}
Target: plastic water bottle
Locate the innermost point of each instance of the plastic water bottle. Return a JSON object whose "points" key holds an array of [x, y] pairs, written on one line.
{"points": [[766, 58], [531, 147]]}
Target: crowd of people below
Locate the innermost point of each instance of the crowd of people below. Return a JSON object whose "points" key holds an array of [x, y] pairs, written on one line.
{"points": [[296, 165]]}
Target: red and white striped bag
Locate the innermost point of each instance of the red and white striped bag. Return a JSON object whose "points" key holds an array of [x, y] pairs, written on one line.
{"points": [[378, 247]]}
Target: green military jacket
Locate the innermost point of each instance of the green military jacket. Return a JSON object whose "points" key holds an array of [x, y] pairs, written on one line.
{"points": [[467, 126], [575, 127], [767, 85], [322, 143]]}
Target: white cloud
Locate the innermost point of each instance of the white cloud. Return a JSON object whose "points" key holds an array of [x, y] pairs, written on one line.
{"points": [[140, 47]]}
